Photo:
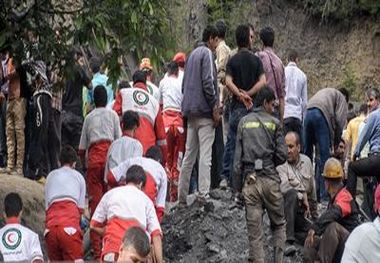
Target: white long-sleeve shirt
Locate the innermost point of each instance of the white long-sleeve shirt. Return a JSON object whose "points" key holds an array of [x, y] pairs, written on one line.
{"points": [[171, 93], [296, 92]]}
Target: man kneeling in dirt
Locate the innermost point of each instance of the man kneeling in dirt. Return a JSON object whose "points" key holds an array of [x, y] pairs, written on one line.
{"points": [[327, 236], [260, 148], [298, 188]]}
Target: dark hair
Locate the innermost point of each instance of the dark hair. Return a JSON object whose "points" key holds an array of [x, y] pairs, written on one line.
{"points": [[242, 35], [363, 108], [222, 28], [172, 68], [12, 204], [267, 36], [374, 92], [209, 32], [130, 120], [100, 96], [154, 153], [293, 55], [68, 155], [95, 64], [124, 85], [264, 94], [346, 94], [135, 175], [139, 76], [136, 237]]}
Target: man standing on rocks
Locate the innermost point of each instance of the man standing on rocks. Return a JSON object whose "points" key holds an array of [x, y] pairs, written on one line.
{"points": [[259, 149], [200, 105]]}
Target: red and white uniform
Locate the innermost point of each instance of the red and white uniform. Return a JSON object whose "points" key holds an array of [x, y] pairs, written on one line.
{"points": [[65, 193], [121, 150], [18, 243], [171, 97], [121, 208], [156, 180], [100, 128], [151, 130]]}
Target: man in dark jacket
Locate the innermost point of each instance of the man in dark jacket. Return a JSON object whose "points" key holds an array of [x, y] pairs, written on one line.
{"points": [[260, 147], [327, 236], [200, 106]]}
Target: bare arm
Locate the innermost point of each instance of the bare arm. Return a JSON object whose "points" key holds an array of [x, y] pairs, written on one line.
{"points": [[261, 83], [157, 246]]}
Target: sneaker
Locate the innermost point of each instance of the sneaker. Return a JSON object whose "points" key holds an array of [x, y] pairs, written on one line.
{"points": [[20, 172], [9, 170], [13, 172], [290, 249], [3, 170], [223, 184]]}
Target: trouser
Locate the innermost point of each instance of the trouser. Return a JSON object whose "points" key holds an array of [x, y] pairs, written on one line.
{"points": [[217, 156], [228, 158], [54, 138], [328, 248], [200, 137], [3, 137], [293, 124], [15, 127], [71, 129], [175, 138], [225, 119], [264, 193], [39, 160], [64, 244], [296, 224], [97, 156], [316, 132]]}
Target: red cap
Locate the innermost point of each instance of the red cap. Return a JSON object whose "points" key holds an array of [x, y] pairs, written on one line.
{"points": [[377, 199], [179, 57]]}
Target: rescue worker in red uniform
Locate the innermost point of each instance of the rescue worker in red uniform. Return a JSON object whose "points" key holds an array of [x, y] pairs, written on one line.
{"points": [[156, 178], [151, 130], [327, 236], [65, 193], [100, 128], [171, 98]]}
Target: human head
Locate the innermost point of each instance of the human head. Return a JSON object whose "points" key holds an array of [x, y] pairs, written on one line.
{"points": [[265, 98], [210, 37], [293, 56], [222, 29], [345, 93], [12, 205], [136, 175], [377, 200], [139, 76], [173, 69], [267, 36], [154, 153], [95, 64], [135, 246], [243, 36], [131, 122], [147, 67], [363, 109], [372, 97], [68, 156], [340, 150], [292, 141], [100, 96], [333, 175], [124, 85], [180, 59]]}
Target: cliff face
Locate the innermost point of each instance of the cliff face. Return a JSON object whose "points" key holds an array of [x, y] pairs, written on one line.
{"points": [[333, 54]]}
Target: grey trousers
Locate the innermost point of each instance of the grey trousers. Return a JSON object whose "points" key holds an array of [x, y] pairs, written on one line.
{"points": [[199, 140]]}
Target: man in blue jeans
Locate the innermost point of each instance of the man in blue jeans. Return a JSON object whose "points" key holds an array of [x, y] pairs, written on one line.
{"points": [[325, 119], [244, 78]]}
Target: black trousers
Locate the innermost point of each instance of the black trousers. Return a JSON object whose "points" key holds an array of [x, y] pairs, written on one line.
{"points": [[217, 156], [71, 129], [54, 138]]}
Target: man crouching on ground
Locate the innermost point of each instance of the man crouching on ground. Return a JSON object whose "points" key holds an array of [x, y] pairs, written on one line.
{"points": [[260, 148]]}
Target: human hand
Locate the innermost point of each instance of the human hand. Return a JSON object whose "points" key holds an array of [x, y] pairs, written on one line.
{"points": [[245, 99], [216, 115], [309, 242], [305, 202]]}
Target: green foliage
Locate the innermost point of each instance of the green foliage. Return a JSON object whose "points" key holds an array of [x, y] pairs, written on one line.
{"points": [[350, 81]]}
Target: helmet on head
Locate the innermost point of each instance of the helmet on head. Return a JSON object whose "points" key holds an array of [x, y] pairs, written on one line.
{"points": [[333, 169]]}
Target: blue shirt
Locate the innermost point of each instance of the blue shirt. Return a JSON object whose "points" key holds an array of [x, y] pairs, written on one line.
{"points": [[370, 133], [100, 79]]}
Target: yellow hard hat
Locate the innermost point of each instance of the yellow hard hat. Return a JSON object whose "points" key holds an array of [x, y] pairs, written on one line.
{"points": [[333, 169]]}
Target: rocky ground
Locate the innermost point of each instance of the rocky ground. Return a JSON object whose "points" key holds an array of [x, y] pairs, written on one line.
{"points": [[214, 231]]}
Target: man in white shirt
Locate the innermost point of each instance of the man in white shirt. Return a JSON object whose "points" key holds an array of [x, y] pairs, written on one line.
{"points": [[363, 245], [18, 243], [295, 95]]}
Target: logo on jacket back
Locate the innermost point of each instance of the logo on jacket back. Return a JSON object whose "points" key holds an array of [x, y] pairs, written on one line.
{"points": [[11, 238], [140, 97]]}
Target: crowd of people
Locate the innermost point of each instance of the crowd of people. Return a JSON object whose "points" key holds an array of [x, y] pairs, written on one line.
{"points": [[223, 118]]}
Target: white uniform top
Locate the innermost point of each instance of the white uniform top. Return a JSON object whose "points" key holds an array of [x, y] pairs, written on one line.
{"points": [[363, 244], [65, 183], [150, 166], [121, 150], [128, 203], [151, 88], [99, 124], [19, 243], [171, 93]]}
